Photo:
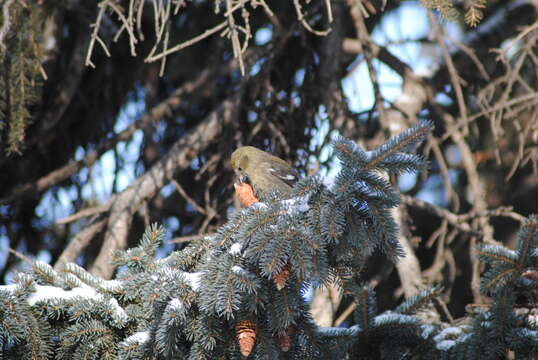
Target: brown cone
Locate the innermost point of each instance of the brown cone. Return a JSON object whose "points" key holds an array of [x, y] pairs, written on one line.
{"points": [[245, 331], [283, 276], [284, 339]]}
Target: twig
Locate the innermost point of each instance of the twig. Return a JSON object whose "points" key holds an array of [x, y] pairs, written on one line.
{"points": [[188, 43], [232, 28], [460, 221], [366, 41], [190, 200], [189, 238], [301, 17], [21, 256], [83, 213], [528, 99], [451, 195], [454, 76], [128, 27], [450, 217], [343, 316], [95, 34], [443, 306], [160, 29]]}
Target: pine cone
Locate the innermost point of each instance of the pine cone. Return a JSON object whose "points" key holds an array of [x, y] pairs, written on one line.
{"points": [[245, 332], [245, 194], [283, 276], [284, 339]]}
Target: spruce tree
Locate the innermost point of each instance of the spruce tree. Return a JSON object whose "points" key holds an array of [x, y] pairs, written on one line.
{"points": [[241, 293]]}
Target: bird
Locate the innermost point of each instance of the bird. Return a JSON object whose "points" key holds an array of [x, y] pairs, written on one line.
{"points": [[262, 172]]}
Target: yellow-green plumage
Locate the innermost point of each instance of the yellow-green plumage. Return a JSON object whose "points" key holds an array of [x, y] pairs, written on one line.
{"points": [[264, 171]]}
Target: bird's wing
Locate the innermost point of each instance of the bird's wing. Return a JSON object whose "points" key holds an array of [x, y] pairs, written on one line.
{"points": [[283, 172]]}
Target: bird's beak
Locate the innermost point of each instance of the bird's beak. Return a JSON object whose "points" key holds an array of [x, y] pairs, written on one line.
{"points": [[241, 177]]}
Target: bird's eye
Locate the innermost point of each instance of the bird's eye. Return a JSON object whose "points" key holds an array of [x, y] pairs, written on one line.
{"points": [[240, 168]]}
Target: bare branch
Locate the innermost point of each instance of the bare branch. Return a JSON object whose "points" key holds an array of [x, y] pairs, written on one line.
{"points": [[301, 17], [63, 173], [188, 43], [125, 204], [79, 243]]}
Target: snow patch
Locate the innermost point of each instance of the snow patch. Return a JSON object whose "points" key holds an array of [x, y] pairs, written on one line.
{"points": [[236, 269], [46, 292], [445, 345], [328, 181], [175, 304], [259, 206], [112, 285], [235, 249], [121, 315], [451, 331], [140, 337], [299, 204], [193, 279], [427, 330], [9, 288]]}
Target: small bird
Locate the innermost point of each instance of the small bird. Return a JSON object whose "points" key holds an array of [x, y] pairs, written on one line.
{"points": [[263, 171], [260, 172]]}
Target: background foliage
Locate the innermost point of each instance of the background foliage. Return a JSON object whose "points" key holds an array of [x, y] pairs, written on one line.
{"points": [[125, 140]]}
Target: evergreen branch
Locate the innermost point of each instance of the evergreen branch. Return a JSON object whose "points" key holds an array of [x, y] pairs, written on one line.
{"points": [[365, 310], [498, 279], [418, 301], [388, 322], [398, 143], [495, 253], [527, 238]]}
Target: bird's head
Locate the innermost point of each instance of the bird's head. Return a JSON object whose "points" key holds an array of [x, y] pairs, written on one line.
{"points": [[240, 161]]}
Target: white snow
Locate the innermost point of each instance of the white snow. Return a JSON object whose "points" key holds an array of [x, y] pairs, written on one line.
{"points": [[451, 331], [193, 279], [328, 181], [259, 206], [238, 270], [112, 285], [9, 288], [235, 249], [450, 336], [445, 345], [427, 330], [139, 337], [175, 304], [46, 292], [299, 204], [121, 315]]}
